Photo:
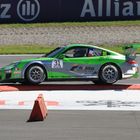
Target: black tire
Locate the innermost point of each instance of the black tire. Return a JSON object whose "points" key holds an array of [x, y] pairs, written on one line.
{"points": [[109, 74], [35, 74]]}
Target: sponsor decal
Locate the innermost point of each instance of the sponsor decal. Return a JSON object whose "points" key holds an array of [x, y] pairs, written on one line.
{"points": [[108, 8], [57, 63], [4, 11], [85, 10], [28, 10], [17, 73], [82, 69]]}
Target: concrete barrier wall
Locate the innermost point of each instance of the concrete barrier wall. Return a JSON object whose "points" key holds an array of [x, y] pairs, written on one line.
{"points": [[26, 11]]}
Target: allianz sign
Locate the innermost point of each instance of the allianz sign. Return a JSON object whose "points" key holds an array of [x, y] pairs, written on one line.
{"points": [[110, 8], [13, 11]]}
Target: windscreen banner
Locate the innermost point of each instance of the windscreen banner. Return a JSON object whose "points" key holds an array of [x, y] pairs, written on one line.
{"points": [[27, 11]]}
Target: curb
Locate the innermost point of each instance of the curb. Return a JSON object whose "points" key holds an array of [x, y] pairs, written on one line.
{"points": [[68, 87]]}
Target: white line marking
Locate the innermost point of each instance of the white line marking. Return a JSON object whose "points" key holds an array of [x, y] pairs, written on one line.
{"points": [[75, 100]]}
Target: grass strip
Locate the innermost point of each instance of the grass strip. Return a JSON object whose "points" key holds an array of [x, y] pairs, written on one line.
{"points": [[25, 49], [67, 24]]}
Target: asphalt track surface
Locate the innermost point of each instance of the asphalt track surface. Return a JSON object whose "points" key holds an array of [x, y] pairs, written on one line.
{"points": [[70, 125]]}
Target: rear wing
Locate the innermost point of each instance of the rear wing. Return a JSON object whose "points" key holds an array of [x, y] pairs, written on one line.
{"points": [[130, 51]]}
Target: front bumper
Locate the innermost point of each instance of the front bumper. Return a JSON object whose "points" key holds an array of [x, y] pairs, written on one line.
{"points": [[7, 75]]}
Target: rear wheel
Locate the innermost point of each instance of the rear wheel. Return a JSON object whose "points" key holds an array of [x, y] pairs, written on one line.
{"points": [[35, 74], [109, 74]]}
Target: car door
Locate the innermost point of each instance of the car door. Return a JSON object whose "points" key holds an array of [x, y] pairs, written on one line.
{"points": [[77, 64]]}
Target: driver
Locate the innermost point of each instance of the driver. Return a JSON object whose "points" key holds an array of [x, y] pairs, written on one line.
{"points": [[78, 52]]}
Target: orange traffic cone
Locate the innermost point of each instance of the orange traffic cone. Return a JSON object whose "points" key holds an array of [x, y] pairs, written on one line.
{"points": [[39, 111]]}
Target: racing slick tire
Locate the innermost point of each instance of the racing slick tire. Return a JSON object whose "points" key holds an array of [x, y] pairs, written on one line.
{"points": [[108, 74], [35, 74]]}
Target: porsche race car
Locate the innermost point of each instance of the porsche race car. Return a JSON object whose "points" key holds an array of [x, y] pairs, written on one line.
{"points": [[74, 62]]}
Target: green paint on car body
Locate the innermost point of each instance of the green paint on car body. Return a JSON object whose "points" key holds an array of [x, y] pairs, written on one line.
{"points": [[62, 65]]}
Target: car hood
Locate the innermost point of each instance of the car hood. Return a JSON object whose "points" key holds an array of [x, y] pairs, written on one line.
{"points": [[24, 61], [36, 59]]}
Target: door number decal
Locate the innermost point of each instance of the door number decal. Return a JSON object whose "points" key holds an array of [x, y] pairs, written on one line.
{"points": [[57, 63]]}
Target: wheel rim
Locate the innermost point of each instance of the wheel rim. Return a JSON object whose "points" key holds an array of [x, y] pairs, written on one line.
{"points": [[36, 74], [110, 74]]}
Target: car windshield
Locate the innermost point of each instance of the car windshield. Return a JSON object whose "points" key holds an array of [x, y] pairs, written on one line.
{"points": [[53, 52]]}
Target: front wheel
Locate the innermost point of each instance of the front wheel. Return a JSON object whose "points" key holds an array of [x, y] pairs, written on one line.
{"points": [[109, 74], [35, 74]]}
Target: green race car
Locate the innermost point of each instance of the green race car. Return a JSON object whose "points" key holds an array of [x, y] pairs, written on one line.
{"points": [[74, 62]]}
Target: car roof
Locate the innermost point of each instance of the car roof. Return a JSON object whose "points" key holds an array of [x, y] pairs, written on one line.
{"points": [[86, 45], [92, 46]]}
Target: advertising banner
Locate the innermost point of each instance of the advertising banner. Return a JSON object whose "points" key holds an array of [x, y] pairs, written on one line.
{"points": [[26, 11]]}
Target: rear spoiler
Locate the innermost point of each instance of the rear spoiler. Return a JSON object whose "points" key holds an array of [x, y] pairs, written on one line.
{"points": [[130, 51]]}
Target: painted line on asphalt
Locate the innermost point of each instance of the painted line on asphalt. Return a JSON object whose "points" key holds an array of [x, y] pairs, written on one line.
{"points": [[121, 100], [21, 55]]}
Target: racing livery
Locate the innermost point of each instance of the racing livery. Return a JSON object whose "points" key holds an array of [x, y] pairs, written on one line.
{"points": [[74, 62]]}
